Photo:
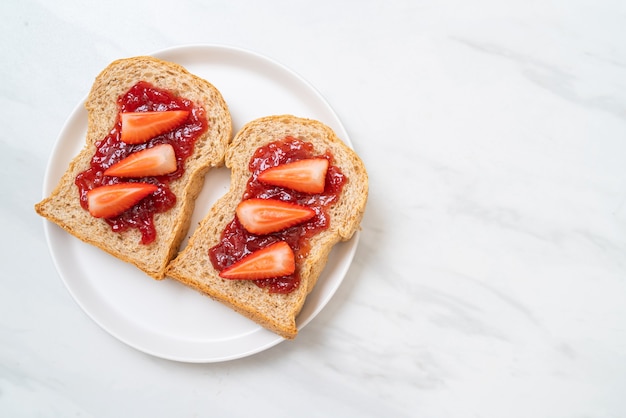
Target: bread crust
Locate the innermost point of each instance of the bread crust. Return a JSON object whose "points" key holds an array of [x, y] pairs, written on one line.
{"points": [[62, 206], [276, 312]]}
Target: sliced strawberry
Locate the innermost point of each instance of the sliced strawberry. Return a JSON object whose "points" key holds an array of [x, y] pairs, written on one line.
{"points": [[155, 161], [275, 260], [308, 176], [140, 127], [111, 200], [263, 216]]}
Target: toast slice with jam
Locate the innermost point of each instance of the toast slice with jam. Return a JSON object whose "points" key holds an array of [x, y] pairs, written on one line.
{"points": [[154, 130], [265, 269]]}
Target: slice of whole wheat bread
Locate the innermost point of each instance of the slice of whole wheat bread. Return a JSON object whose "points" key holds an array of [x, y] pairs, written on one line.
{"points": [[276, 312], [63, 206]]}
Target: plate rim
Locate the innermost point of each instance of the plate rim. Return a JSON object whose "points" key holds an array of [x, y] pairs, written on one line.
{"points": [[50, 229]]}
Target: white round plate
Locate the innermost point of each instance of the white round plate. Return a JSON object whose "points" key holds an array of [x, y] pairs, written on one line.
{"points": [[165, 318]]}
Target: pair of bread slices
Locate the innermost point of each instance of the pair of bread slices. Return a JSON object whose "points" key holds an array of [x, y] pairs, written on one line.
{"points": [[215, 147]]}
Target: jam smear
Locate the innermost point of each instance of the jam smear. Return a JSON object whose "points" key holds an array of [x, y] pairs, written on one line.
{"points": [[143, 97], [236, 242]]}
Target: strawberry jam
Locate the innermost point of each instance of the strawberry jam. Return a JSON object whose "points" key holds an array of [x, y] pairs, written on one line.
{"points": [[143, 97], [237, 243]]}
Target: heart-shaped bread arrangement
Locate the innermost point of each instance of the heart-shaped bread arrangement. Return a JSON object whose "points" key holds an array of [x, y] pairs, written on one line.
{"points": [[154, 131]]}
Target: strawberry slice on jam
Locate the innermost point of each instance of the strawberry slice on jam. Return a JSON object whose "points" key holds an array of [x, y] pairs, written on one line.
{"points": [[264, 216], [275, 260], [114, 199], [307, 176], [155, 161], [140, 127]]}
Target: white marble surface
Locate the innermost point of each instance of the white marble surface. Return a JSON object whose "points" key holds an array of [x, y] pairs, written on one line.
{"points": [[490, 280]]}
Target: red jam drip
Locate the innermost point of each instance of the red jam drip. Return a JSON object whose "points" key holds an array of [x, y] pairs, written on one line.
{"points": [[236, 242], [143, 97]]}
